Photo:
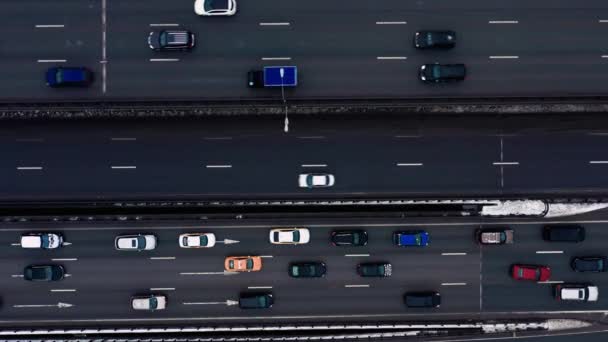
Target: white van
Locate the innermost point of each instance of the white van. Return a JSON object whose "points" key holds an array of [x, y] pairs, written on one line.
{"points": [[41, 240]]}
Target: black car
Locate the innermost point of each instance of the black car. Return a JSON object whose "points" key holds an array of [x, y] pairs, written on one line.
{"points": [[427, 299], [564, 233], [43, 272], [435, 39], [307, 269], [590, 264], [349, 238], [437, 73], [256, 300], [375, 269], [255, 79], [165, 40]]}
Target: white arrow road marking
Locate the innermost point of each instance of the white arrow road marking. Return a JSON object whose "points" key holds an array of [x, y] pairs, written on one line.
{"points": [[65, 243], [58, 305], [17, 275], [228, 303], [228, 241], [209, 273]]}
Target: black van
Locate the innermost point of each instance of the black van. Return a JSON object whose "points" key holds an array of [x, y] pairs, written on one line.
{"points": [[255, 300], [564, 233], [427, 299]]}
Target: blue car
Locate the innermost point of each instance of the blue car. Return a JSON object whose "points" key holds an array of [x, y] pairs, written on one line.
{"points": [[418, 238], [66, 77]]}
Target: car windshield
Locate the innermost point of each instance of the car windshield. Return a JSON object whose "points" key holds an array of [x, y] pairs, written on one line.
{"points": [[211, 5], [503, 237], [46, 241], [141, 242], [231, 264], [59, 76], [185, 241], [296, 235], [429, 38], [262, 301], [276, 236], [153, 303], [581, 294], [162, 38], [356, 238], [436, 71], [600, 264], [295, 270], [250, 264], [204, 240], [418, 239]]}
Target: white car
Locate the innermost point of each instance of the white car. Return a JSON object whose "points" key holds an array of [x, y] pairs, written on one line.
{"points": [[289, 236], [139, 242], [197, 240], [215, 7], [577, 292], [316, 180], [41, 241], [150, 303]]}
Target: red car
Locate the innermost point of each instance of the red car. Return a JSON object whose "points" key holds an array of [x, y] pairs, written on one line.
{"points": [[530, 272]]}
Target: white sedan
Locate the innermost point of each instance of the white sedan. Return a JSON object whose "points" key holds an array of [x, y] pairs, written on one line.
{"points": [[151, 302], [139, 242], [215, 7], [289, 236], [316, 180], [197, 240]]}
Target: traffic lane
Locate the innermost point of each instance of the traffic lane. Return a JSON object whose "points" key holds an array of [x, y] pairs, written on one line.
{"points": [[40, 12]]}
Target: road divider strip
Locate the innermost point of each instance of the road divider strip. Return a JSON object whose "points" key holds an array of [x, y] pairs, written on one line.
{"points": [[549, 252]]}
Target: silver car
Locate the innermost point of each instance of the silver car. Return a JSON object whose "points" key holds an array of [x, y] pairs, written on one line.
{"points": [[316, 180], [149, 302], [139, 242]]}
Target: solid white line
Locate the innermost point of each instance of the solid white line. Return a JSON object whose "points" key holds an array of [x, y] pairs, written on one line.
{"points": [[505, 163], [164, 59], [123, 139], [351, 286], [218, 166], [63, 290], [104, 56], [25, 168], [276, 58], [503, 22], [65, 259], [550, 282], [275, 24], [258, 287], [604, 56], [504, 57], [603, 21], [163, 25], [391, 58], [598, 162], [314, 165], [447, 254], [50, 26], [549, 252], [409, 164], [162, 258], [52, 60], [391, 22], [356, 255], [453, 284], [123, 167], [16, 275], [15, 244], [162, 289], [266, 256]]}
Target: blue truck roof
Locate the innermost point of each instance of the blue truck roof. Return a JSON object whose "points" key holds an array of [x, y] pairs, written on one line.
{"points": [[272, 76]]}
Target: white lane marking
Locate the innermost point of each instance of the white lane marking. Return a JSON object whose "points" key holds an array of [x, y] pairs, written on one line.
{"points": [[312, 137], [164, 59], [123, 167], [266, 256], [123, 139], [219, 166], [504, 57], [409, 164], [16, 275], [52, 60], [356, 285], [50, 26], [217, 138], [163, 25], [208, 273], [549, 252], [391, 22], [104, 56], [259, 287], [26, 168], [604, 56], [276, 58], [505, 163], [276, 24], [314, 165], [598, 162], [453, 284], [104, 74], [162, 258], [503, 22], [162, 289], [63, 290], [603, 21], [452, 254], [391, 58], [15, 244], [64, 259], [30, 140], [550, 282], [356, 255]]}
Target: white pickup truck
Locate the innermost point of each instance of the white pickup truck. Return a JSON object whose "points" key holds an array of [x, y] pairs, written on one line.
{"points": [[495, 236]]}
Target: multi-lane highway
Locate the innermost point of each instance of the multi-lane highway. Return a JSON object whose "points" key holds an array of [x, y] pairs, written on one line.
{"points": [[253, 158], [472, 279], [343, 50]]}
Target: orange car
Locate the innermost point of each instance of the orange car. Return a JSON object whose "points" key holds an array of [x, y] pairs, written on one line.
{"points": [[243, 264]]}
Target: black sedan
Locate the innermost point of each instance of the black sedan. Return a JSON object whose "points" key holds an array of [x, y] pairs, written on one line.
{"points": [[375, 269], [349, 238], [435, 39], [590, 264], [438, 73], [310, 269], [44, 273]]}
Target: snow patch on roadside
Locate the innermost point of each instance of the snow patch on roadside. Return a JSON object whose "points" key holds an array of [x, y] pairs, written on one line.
{"points": [[569, 209], [515, 208], [565, 324]]}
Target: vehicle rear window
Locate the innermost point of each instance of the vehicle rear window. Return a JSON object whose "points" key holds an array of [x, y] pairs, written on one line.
{"points": [[296, 235], [204, 240], [249, 264]]}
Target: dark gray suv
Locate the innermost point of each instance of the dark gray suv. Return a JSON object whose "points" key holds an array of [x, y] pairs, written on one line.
{"points": [[167, 40]]}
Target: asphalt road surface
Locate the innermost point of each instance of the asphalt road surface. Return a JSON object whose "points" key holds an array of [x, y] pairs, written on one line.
{"points": [[472, 279], [254, 158], [348, 49]]}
